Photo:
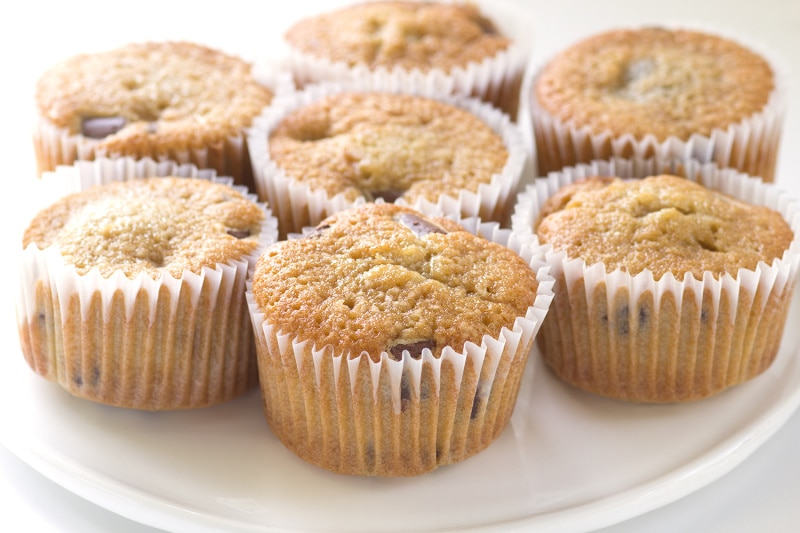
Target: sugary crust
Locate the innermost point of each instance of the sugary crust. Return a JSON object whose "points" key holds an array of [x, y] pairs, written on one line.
{"points": [[152, 225], [378, 144], [366, 281], [409, 35], [173, 96], [655, 81], [661, 223]]}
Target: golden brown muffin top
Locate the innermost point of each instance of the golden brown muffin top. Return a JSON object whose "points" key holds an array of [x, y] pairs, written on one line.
{"points": [[661, 223], [151, 225], [655, 81], [387, 145], [421, 35], [155, 94], [381, 277]]}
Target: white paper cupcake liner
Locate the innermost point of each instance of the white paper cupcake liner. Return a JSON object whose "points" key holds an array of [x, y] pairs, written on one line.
{"points": [[688, 338], [297, 205], [372, 415], [154, 344], [750, 145]]}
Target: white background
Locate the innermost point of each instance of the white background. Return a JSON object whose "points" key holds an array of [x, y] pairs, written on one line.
{"points": [[761, 494]]}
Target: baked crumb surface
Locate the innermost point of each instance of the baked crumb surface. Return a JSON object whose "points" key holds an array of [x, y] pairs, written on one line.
{"points": [[142, 96], [387, 145], [661, 223], [655, 81], [409, 35], [151, 225], [382, 277]]}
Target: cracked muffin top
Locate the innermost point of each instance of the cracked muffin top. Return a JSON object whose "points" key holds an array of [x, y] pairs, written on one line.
{"points": [[150, 225], [381, 277], [655, 81], [409, 35], [170, 95], [386, 145], [663, 224]]}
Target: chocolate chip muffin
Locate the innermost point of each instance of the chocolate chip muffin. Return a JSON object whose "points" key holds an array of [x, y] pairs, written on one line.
{"points": [[335, 146], [659, 92], [133, 293], [383, 322], [457, 46], [667, 288], [166, 100]]}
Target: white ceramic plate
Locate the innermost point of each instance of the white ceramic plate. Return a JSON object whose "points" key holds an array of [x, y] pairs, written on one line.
{"points": [[569, 461]]}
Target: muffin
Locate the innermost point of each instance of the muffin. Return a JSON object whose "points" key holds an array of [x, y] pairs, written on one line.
{"points": [[165, 100], [392, 342], [332, 146], [132, 294], [659, 92], [455, 47], [667, 288]]}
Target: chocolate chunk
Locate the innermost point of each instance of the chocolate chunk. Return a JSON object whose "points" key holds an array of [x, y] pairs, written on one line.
{"points": [[414, 349], [405, 391], [239, 233], [644, 317], [388, 195], [476, 407], [100, 127], [622, 320], [418, 225], [316, 232]]}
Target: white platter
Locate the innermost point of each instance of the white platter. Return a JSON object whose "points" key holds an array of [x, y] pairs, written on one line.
{"points": [[569, 461]]}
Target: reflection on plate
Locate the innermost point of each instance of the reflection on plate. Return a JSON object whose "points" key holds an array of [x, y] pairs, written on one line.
{"points": [[569, 461]]}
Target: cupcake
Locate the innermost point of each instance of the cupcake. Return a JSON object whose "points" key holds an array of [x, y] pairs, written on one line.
{"points": [[165, 100], [331, 146], [392, 342], [451, 46], [668, 288], [132, 294], [658, 92]]}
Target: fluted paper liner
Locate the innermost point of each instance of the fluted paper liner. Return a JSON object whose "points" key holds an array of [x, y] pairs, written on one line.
{"points": [[297, 205], [633, 337], [154, 344], [55, 146], [82, 174], [750, 145], [367, 414]]}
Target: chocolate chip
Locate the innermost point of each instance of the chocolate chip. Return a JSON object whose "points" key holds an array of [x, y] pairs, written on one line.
{"points": [[414, 349], [316, 232], [239, 233], [418, 225], [476, 407], [100, 127], [405, 390], [78, 380], [388, 195], [622, 320], [644, 317], [486, 26]]}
